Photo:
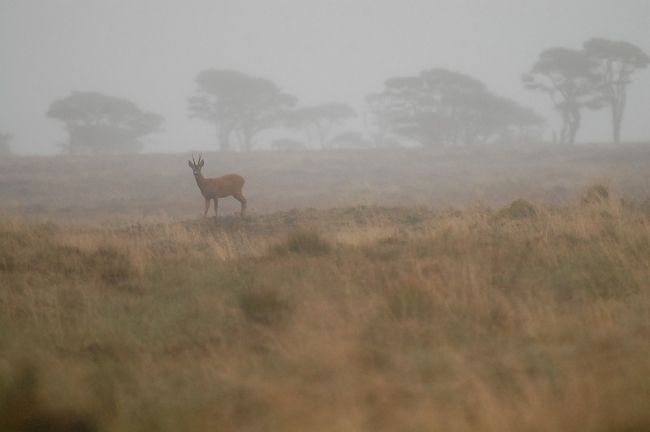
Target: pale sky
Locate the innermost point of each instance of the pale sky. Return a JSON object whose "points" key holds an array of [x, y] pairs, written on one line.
{"points": [[150, 51]]}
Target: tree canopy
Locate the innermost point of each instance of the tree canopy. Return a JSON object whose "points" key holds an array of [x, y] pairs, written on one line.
{"points": [[569, 77], [238, 104], [319, 120], [443, 107], [97, 123], [616, 62]]}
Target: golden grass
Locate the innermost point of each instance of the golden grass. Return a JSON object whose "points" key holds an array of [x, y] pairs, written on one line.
{"points": [[525, 318]]}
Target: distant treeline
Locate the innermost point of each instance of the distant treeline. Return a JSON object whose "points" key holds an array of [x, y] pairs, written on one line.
{"points": [[437, 107]]}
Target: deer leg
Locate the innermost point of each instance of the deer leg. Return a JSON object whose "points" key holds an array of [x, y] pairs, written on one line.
{"points": [[207, 207], [239, 197], [216, 205]]}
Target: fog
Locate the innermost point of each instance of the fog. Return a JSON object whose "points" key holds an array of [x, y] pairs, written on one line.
{"points": [[151, 51]]}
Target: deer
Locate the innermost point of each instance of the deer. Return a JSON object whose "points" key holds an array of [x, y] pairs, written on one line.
{"points": [[218, 187]]}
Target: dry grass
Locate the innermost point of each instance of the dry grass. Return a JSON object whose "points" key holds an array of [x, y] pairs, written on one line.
{"points": [[529, 317]]}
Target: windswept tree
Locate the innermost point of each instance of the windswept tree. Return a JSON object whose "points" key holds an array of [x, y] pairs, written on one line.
{"points": [[570, 78], [5, 140], [442, 107], [617, 61], [238, 105], [97, 123], [319, 120]]}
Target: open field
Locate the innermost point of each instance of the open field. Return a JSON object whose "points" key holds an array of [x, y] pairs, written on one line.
{"points": [[380, 309], [162, 186]]}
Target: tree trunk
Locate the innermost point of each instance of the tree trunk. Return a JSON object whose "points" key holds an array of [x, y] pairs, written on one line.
{"points": [[248, 140], [570, 125], [564, 133], [224, 139], [618, 106], [616, 125], [323, 133], [574, 126]]}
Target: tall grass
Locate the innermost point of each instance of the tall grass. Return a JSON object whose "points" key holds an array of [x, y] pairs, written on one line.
{"points": [[525, 318]]}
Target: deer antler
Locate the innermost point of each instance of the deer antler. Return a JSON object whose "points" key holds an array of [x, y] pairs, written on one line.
{"points": [[200, 156], [193, 161]]}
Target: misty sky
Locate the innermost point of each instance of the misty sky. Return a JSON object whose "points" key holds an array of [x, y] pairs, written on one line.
{"points": [[150, 51]]}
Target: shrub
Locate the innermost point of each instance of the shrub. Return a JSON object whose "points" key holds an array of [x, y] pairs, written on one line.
{"points": [[305, 243], [264, 306], [112, 265], [518, 209], [596, 194], [386, 249]]}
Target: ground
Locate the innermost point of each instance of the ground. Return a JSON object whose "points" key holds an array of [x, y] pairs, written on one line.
{"points": [[490, 296]]}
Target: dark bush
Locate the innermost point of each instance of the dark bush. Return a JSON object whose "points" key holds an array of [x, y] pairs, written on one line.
{"points": [[264, 306], [518, 209], [596, 194], [305, 243]]}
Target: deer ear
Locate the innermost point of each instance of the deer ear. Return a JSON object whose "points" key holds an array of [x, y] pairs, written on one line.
{"points": [[190, 164], [201, 163]]}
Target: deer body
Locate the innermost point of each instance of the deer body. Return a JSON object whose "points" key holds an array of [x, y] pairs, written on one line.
{"points": [[218, 187]]}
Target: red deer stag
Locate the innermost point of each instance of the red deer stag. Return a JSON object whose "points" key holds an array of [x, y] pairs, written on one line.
{"points": [[218, 187]]}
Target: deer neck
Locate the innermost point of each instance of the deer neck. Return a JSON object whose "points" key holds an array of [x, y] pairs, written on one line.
{"points": [[200, 181]]}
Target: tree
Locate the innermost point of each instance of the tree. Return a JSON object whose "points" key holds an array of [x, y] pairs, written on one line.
{"points": [[238, 104], [5, 140], [442, 107], [97, 123], [617, 61], [287, 144], [408, 109], [461, 104], [527, 124], [350, 139], [495, 118], [569, 77], [378, 119], [319, 120]]}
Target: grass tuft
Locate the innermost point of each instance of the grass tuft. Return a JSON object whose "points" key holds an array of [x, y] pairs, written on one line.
{"points": [[305, 242]]}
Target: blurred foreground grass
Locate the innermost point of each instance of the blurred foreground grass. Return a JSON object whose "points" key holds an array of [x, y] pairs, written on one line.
{"points": [[527, 317]]}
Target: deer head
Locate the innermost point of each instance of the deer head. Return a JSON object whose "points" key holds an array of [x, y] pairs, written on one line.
{"points": [[196, 166]]}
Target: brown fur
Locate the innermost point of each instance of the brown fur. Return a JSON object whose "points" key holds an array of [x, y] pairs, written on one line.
{"points": [[218, 187]]}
